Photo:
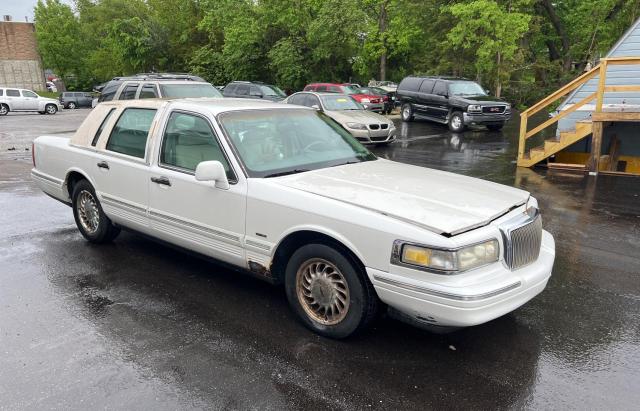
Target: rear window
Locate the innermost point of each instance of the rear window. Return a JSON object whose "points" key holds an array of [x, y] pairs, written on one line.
{"points": [[410, 84], [189, 90], [129, 135]]}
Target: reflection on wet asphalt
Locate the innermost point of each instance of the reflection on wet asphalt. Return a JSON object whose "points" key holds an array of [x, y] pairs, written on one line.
{"points": [[138, 325]]}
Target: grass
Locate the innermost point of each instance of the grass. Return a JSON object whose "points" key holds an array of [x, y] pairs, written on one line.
{"points": [[49, 94]]}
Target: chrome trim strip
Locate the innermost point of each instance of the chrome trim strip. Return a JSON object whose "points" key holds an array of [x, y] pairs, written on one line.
{"points": [[450, 296], [114, 202], [180, 222], [257, 245], [46, 177]]}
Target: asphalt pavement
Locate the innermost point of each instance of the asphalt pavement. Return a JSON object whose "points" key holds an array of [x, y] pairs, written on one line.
{"points": [[138, 325]]}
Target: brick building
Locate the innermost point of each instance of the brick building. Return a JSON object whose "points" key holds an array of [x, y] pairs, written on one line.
{"points": [[20, 63]]}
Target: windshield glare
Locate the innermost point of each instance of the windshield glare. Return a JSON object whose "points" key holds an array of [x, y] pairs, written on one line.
{"points": [[466, 88], [289, 140], [338, 102], [189, 90], [272, 91]]}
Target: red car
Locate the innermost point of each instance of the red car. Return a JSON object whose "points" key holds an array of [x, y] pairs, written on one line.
{"points": [[368, 101]]}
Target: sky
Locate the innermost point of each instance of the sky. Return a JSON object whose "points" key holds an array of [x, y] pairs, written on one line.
{"points": [[18, 9]]}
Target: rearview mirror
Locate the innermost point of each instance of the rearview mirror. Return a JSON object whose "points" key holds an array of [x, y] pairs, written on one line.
{"points": [[212, 171]]}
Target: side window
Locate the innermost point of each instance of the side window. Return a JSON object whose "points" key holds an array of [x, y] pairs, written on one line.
{"points": [[27, 93], [308, 88], [322, 88], [97, 136], [255, 91], [229, 90], [334, 89], [129, 135], [242, 90], [13, 93], [1, 92], [188, 141], [149, 91], [109, 91], [427, 86], [440, 88], [129, 92], [311, 100], [297, 99]]}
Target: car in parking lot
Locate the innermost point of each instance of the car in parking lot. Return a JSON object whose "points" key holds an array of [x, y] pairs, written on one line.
{"points": [[366, 126], [156, 85], [283, 192], [371, 102], [18, 99], [253, 89], [75, 99], [457, 102], [388, 98]]}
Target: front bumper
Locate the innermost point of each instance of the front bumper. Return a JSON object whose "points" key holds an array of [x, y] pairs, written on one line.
{"points": [[377, 107], [467, 302], [484, 119], [374, 136]]}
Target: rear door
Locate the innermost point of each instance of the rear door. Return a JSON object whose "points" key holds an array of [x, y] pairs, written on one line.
{"points": [[424, 97], [14, 99], [122, 172], [190, 213], [440, 100]]}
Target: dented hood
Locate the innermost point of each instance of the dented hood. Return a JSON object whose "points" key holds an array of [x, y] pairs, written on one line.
{"points": [[439, 201]]}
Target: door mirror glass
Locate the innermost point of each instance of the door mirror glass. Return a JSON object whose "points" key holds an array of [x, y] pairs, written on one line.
{"points": [[317, 107], [212, 171]]}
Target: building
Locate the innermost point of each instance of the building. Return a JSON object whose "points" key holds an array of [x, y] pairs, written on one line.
{"points": [[20, 63]]}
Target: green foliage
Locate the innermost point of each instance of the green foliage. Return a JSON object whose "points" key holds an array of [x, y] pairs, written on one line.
{"points": [[522, 48]]}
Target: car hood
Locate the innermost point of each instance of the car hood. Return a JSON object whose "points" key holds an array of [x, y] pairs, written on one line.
{"points": [[480, 99], [439, 201], [49, 100], [361, 116]]}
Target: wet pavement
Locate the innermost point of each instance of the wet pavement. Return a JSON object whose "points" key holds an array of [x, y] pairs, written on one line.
{"points": [[138, 325]]}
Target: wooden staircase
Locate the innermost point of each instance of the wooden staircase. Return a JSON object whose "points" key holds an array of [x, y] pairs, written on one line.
{"points": [[584, 128]]}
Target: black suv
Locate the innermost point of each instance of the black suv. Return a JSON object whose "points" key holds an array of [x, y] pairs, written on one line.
{"points": [[253, 89], [457, 102]]}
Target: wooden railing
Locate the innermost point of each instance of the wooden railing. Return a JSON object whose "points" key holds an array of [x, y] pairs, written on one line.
{"points": [[601, 70]]}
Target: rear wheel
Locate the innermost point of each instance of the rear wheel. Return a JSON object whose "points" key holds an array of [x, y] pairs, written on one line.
{"points": [[329, 292], [51, 109], [71, 105], [456, 122], [93, 223], [4, 109], [407, 112]]}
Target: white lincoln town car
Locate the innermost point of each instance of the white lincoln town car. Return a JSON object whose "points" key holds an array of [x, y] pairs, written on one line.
{"points": [[287, 194]]}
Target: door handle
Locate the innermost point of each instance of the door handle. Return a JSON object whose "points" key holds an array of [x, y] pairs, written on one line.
{"points": [[103, 164], [161, 180]]}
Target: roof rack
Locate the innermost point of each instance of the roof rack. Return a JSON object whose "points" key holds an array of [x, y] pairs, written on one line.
{"points": [[160, 76]]}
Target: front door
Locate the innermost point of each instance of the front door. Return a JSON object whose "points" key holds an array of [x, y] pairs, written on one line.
{"points": [[29, 100], [122, 171], [190, 213]]}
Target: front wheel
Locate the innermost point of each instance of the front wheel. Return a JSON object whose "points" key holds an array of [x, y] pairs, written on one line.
{"points": [[328, 292], [495, 127], [93, 223], [51, 109], [456, 122], [407, 112]]}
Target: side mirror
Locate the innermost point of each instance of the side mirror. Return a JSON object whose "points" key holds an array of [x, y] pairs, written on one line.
{"points": [[317, 107], [212, 171]]}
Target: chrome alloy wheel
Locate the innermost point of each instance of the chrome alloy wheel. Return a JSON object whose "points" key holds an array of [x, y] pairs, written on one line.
{"points": [[51, 109], [456, 122], [406, 112], [88, 212], [3, 110], [322, 291]]}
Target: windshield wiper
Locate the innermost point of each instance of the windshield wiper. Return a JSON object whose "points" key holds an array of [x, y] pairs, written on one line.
{"points": [[286, 173]]}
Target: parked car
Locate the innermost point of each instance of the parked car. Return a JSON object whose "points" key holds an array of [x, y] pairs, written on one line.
{"points": [[253, 89], [157, 85], [364, 125], [75, 99], [368, 101], [454, 101], [283, 192], [388, 98], [17, 99], [388, 86]]}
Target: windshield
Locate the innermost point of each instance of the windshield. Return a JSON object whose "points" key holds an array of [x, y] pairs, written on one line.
{"points": [[287, 141], [189, 90], [466, 88], [338, 102], [348, 90], [272, 91]]}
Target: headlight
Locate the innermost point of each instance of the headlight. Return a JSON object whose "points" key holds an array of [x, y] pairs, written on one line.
{"points": [[365, 100], [357, 126], [474, 108], [449, 261]]}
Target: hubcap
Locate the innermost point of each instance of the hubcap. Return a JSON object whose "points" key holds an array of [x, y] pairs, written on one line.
{"points": [[72, 106], [456, 122], [3, 110], [51, 109], [406, 112], [88, 213], [322, 291]]}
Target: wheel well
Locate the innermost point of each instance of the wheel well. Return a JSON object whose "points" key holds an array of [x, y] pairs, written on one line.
{"points": [[72, 179], [294, 241]]}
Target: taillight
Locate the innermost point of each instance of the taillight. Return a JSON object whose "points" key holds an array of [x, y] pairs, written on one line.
{"points": [[33, 154]]}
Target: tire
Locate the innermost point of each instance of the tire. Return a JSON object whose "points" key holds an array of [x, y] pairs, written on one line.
{"points": [[71, 105], [495, 127], [4, 109], [93, 223], [346, 286], [406, 112], [50, 109], [456, 122]]}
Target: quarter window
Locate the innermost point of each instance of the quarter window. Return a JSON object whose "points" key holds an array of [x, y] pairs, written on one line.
{"points": [[149, 91], [129, 135], [97, 136], [13, 93], [129, 92], [427, 86], [188, 141], [1, 92]]}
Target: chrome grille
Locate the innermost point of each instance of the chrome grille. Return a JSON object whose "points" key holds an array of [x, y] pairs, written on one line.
{"points": [[493, 109], [524, 243]]}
